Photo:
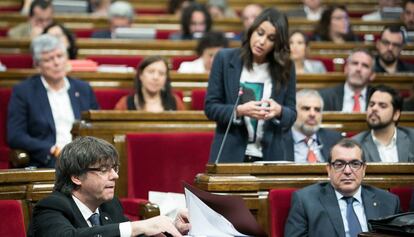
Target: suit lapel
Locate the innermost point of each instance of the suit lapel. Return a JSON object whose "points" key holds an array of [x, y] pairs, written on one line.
{"points": [[41, 95], [330, 203], [340, 101], [74, 99], [371, 149], [105, 218], [403, 144], [321, 137], [371, 205], [235, 70]]}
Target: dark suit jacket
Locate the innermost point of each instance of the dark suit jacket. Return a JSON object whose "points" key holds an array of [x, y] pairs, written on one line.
{"points": [[30, 124], [102, 34], [315, 212], [333, 97], [222, 91], [296, 13], [58, 215], [405, 148], [327, 138], [401, 66]]}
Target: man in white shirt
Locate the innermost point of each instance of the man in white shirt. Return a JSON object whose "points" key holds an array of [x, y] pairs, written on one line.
{"points": [[351, 96], [383, 5], [83, 203], [311, 10], [342, 206], [385, 141]]}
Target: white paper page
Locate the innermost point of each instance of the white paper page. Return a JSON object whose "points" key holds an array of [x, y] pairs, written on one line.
{"points": [[169, 203], [205, 221]]}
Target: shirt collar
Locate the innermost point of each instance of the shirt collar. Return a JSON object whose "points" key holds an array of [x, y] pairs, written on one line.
{"points": [[350, 92], [357, 195], [392, 142], [86, 212], [65, 87], [299, 137]]}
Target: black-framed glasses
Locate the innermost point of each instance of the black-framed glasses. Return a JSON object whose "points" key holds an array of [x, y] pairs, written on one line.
{"points": [[104, 170], [339, 165]]}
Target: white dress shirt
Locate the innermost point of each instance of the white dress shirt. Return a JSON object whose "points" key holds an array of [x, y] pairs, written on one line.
{"points": [[301, 148], [387, 152], [348, 104], [311, 15], [196, 66]]}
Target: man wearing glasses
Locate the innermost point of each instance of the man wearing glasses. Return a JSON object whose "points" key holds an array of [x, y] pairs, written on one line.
{"points": [[389, 48], [342, 206], [83, 202]]}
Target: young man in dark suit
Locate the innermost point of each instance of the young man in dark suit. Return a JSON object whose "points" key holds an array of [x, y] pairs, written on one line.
{"points": [[83, 202], [342, 206]]}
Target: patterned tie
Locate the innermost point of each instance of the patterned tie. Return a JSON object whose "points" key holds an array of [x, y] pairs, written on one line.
{"points": [[94, 219], [353, 222], [311, 157], [357, 105]]}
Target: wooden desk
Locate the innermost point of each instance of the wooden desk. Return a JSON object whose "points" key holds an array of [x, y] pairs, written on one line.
{"points": [[253, 181]]}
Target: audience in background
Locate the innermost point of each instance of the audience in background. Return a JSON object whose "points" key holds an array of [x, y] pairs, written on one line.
{"points": [[311, 10], [65, 35], [207, 47], [298, 53], [99, 7], [389, 48], [385, 141], [342, 206], [40, 15], [220, 9], [307, 141], [334, 26], [248, 14], [408, 104], [379, 15], [195, 21], [153, 88], [43, 108], [121, 15], [176, 7], [407, 17], [352, 95]]}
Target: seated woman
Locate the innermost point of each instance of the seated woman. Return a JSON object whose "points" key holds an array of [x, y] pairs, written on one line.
{"points": [[195, 21], [153, 88], [65, 35], [334, 26], [207, 48], [298, 43]]}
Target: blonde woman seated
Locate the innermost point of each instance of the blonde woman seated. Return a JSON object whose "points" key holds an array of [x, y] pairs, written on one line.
{"points": [[298, 49], [153, 89]]}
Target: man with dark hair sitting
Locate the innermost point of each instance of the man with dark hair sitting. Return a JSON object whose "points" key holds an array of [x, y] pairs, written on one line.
{"points": [[83, 202]]}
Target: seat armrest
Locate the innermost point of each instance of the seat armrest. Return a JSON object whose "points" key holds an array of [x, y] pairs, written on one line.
{"points": [[138, 209]]}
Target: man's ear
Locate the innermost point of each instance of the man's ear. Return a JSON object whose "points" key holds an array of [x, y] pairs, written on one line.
{"points": [[76, 180]]}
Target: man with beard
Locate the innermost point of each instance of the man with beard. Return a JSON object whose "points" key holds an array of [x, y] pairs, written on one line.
{"points": [[307, 142], [385, 141], [352, 95], [407, 17], [389, 48]]}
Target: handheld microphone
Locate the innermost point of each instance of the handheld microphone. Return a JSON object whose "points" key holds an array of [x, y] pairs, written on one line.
{"points": [[240, 93]]}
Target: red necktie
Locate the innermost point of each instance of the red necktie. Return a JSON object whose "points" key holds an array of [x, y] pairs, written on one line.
{"points": [[357, 105], [311, 157]]}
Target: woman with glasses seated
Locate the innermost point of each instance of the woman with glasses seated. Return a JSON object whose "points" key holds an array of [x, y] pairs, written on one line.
{"points": [[334, 26]]}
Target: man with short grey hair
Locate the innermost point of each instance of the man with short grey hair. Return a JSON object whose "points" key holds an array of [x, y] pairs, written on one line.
{"points": [[307, 141], [43, 108], [121, 15]]}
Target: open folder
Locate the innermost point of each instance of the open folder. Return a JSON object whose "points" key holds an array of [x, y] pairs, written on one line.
{"points": [[219, 215]]}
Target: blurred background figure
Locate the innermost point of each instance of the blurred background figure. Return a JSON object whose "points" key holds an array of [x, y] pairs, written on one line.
{"points": [[206, 49], [65, 35], [407, 17], [383, 6], [176, 7], [220, 9], [121, 15], [248, 15], [40, 15], [298, 53], [311, 10], [334, 26], [195, 21], [99, 7], [153, 88]]}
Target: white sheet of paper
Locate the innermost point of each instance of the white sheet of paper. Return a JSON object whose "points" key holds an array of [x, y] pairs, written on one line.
{"points": [[169, 203], [205, 221]]}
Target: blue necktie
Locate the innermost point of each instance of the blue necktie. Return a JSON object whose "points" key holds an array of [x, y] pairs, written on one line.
{"points": [[94, 219], [353, 223]]}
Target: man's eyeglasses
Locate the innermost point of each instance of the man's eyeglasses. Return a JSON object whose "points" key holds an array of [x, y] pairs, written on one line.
{"points": [[104, 170], [387, 43], [339, 165]]}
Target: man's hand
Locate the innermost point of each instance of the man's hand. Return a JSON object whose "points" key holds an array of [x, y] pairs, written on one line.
{"points": [[154, 226], [181, 222]]}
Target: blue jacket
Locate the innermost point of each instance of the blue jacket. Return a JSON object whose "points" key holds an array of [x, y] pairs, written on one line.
{"points": [[222, 91], [30, 124]]}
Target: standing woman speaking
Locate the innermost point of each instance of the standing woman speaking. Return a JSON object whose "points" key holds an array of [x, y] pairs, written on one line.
{"points": [[266, 110]]}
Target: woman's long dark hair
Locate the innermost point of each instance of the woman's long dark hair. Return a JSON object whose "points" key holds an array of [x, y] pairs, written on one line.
{"points": [[186, 16], [73, 49], [279, 60], [167, 97], [324, 25]]}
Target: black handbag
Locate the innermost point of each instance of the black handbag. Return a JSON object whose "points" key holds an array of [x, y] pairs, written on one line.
{"points": [[401, 224]]}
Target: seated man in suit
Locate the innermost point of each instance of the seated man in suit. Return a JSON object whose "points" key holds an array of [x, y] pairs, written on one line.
{"points": [[83, 202], [385, 141], [352, 95], [407, 17], [342, 206], [121, 15], [311, 10], [43, 108], [307, 141]]}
